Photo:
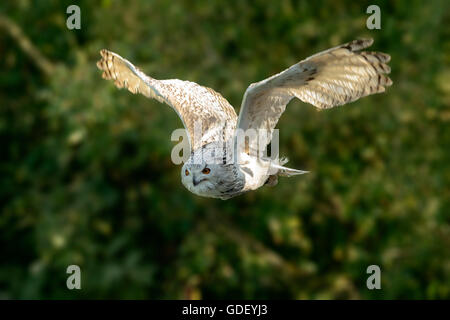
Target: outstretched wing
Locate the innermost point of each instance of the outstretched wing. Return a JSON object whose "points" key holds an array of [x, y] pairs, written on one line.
{"points": [[330, 78], [199, 107]]}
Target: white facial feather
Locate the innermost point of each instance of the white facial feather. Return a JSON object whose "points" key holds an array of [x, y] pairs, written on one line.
{"points": [[207, 174]]}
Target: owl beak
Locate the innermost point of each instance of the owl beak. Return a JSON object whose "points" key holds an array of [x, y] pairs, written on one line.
{"points": [[195, 181]]}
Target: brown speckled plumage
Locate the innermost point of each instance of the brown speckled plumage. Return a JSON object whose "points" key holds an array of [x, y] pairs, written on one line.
{"points": [[192, 102]]}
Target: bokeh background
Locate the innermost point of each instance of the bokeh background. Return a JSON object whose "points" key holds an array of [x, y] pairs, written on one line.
{"points": [[86, 176]]}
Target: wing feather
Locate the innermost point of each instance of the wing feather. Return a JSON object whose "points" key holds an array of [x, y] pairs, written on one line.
{"points": [[327, 79], [194, 104]]}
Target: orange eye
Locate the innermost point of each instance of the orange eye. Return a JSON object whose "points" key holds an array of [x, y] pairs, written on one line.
{"points": [[206, 171], [186, 172]]}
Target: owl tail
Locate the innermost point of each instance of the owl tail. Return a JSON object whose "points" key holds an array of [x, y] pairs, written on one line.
{"points": [[284, 171]]}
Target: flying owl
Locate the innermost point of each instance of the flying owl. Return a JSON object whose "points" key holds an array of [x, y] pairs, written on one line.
{"points": [[222, 164]]}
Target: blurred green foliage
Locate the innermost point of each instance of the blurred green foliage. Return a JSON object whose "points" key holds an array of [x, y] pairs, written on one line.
{"points": [[86, 175]]}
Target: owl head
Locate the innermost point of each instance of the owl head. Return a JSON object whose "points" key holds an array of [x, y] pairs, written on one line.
{"points": [[206, 173]]}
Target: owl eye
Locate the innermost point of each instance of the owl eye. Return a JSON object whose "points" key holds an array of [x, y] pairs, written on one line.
{"points": [[206, 171], [186, 172]]}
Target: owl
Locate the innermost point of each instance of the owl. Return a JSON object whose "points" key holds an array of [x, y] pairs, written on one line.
{"points": [[224, 159]]}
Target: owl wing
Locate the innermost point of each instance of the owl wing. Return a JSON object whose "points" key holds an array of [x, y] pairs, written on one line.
{"points": [[330, 78], [205, 114]]}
